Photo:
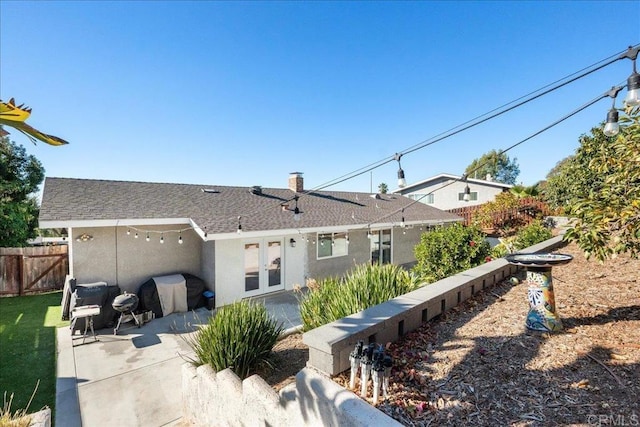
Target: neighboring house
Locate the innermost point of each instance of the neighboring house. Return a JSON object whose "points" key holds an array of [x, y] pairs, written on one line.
{"points": [[242, 241], [446, 191]]}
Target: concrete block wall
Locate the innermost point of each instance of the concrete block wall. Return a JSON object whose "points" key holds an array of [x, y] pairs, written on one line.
{"points": [[330, 345], [222, 399]]}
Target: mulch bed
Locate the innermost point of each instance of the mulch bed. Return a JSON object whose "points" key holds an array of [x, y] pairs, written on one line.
{"points": [[478, 364]]}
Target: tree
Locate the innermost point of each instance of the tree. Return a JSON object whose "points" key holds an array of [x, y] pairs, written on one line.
{"points": [[520, 191], [497, 164], [555, 190], [607, 211], [20, 176], [383, 188]]}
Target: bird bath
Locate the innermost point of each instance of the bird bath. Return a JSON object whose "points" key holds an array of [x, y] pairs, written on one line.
{"points": [[542, 314]]}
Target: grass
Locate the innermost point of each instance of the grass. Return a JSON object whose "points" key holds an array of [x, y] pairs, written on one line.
{"points": [[28, 349], [366, 285]]}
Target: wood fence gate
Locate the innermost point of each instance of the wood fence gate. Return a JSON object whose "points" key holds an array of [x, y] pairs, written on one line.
{"points": [[33, 269]]}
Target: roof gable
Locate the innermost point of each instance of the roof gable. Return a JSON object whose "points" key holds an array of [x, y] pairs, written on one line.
{"points": [[446, 177]]}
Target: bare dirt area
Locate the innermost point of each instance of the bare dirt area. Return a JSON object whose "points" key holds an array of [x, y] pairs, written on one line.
{"points": [[290, 355], [479, 365]]}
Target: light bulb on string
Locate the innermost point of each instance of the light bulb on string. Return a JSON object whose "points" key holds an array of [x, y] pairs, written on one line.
{"points": [[162, 238], [147, 238], [633, 88], [180, 238], [611, 126], [401, 181]]}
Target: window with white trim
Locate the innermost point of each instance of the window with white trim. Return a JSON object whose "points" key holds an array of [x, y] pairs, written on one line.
{"points": [[332, 244], [427, 199]]}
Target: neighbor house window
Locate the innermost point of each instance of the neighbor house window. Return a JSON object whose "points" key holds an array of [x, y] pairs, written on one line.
{"points": [[427, 199], [472, 196], [332, 245]]}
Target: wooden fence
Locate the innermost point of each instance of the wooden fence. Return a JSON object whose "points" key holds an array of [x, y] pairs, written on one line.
{"points": [[33, 269], [528, 210]]}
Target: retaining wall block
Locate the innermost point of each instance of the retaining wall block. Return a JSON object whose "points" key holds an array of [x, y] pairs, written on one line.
{"points": [[262, 404], [325, 403]]}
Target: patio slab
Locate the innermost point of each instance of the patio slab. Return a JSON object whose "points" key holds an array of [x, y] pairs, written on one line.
{"points": [[134, 378]]}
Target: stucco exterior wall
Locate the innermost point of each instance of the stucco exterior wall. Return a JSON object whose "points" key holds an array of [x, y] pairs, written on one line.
{"points": [[358, 253], [404, 240], [229, 267], [447, 198], [118, 258], [208, 264]]}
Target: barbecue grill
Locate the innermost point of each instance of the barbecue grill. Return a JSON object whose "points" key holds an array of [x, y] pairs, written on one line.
{"points": [[126, 304]]}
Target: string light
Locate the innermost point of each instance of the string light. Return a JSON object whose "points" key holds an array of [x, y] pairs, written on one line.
{"points": [[148, 233], [630, 53], [633, 86], [401, 181], [612, 127]]}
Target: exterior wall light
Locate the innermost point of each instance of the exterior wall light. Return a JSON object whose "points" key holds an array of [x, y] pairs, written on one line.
{"points": [[292, 243], [84, 237]]}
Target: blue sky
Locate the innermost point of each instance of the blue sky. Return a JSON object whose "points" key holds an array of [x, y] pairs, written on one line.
{"points": [[242, 93]]}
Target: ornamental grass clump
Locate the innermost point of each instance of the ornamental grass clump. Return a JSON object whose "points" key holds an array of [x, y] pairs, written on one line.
{"points": [[365, 286], [240, 336]]}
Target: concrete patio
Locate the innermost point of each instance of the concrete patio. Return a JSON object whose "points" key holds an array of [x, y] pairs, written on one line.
{"points": [[134, 378]]}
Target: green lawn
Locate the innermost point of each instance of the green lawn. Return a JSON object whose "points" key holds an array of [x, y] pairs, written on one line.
{"points": [[28, 348]]}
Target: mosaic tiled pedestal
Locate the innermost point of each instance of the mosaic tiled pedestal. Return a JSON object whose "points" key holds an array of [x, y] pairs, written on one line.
{"points": [[542, 315]]}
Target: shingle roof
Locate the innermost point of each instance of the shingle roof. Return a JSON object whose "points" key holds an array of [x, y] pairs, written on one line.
{"points": [[79, 200]]}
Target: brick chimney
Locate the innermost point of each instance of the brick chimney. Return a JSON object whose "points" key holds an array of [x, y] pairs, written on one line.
{"points": [[296, 183]]}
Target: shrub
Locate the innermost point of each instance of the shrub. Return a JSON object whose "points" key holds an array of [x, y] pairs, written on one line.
{"points": [[240, 336], [365, 286], [527, 236], [533, 233], [449, 250]]}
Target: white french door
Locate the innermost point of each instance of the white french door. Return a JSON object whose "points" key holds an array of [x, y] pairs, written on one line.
{"points": [[262, 266]]}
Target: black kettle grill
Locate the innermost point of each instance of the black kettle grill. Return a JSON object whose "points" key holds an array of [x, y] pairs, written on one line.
{"points": [[125, 304]]}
